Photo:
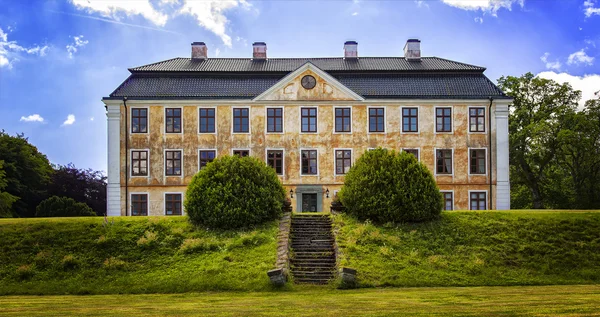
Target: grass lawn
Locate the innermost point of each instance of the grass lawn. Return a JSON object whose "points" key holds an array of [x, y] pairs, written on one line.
{"points": [[475, 249], [132, 255], [579, 300]]}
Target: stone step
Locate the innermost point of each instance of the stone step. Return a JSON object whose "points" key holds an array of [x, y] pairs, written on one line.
{"points": [[311, 281], [314, 275], [330, 268], [319, 261]]}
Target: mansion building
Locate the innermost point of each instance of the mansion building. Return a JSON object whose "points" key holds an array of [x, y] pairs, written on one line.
{"points": [[308, 118]]}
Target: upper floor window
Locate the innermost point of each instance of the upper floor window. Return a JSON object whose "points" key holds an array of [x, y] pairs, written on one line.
{"points": [[477, 200], [173, 120], [309, 119], [448, 201], [309, 162], [443, 119], [206, 118], [443, 161], [205, 157], [173, 163], [414, 152], [343, 120], [139, 163], [173, 204], [477, 161], [376, 120], [275, 120], [410, 120], [343, 161], [139, 120], [275, 160], [241, 153], [476, 119], [241, 120], [139, 204]]}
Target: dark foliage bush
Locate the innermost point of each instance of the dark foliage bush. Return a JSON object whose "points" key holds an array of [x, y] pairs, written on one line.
{"points": [[233, 192], [386, 186], [63, 207]]}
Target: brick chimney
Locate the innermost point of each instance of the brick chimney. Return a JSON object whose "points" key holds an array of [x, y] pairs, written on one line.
{"points": [[259, 50], [351, 49], [412, 50], [199, 51]]}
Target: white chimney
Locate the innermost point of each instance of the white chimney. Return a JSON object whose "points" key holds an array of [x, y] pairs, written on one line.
{"points": [[199, 50], [351, 49], [412, 50], [259, 50]]}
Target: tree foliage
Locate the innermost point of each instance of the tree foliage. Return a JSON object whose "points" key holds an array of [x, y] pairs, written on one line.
{"points": [[63, 207], [6, 199], [233, 192], [83, 185], [386, 186], [27, 173]]}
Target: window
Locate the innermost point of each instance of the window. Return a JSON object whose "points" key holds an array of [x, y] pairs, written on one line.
{"points": [[309, 119], [275, 120], [139, 120], [241, 153], [205, 157], [139, 204], [443, 161], [139, 163], [443, 119], [173, 163], [476, 119], [447, 200], [410, 120], [173, 120], [376, 120], [414, 152], [342, 120], [241, 120], [206, 118], [309, 162], [478, 201], [477, 162], [342, 161], [275, 160], [173, 204]]}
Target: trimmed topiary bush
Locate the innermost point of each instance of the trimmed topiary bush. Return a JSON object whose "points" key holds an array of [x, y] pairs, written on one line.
{"points": [[387, 186], [233, 192], [63, 207]]}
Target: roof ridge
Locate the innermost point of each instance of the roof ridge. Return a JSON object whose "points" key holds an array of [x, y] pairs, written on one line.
{"points": [[461, 63], [146, 65]]}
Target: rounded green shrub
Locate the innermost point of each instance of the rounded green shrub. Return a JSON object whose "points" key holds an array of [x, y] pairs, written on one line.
{"points": [[63, 207], [233, 192], [386, 186]]}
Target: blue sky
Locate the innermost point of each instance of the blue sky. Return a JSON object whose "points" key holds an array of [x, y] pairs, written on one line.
{"points": [[59, 58]]}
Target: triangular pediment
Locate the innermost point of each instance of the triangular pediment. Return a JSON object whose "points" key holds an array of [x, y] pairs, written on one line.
{"points": [[326, 87]]}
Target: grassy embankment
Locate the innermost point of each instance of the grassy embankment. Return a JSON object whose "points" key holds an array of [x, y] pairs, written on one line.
{"points": [[579, 300], [131, 255], [475, 248]]}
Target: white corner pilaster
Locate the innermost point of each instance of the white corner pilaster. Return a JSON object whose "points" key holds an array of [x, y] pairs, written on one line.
{"points": [[113, 190], [502, 165]]}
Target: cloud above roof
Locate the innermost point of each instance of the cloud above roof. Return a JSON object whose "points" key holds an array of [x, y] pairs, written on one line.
{"points": [[588, 84], [32, 118], [487, 6]]}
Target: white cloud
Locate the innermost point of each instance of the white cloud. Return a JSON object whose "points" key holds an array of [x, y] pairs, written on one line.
{"points": [[115, 9], [421, 4], [590, 9], [10, 51], [91, 118], [78, 42], [354, 13], [217, 52], [32, 118], [487, 6], [479, 20], [588, 84], [242, 40], [70, 120], [580, 57], [550, 65]]}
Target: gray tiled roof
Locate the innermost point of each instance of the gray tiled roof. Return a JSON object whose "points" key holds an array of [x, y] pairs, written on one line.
{"points": [[208, 86], [290, 64]]}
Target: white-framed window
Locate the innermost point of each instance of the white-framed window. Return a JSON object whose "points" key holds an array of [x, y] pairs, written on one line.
{"points": [[448, 197], [173, 162], [343, 161], [309, 162], [342, 119], [173, 204], [444, 162], [477, 161], [477, 200]]}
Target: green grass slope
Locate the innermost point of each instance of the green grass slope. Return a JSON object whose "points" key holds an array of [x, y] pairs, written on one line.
{"points": [[475, 248], [131, 255]]}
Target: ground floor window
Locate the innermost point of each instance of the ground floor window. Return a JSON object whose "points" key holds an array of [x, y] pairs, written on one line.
{"points": [[309, 162], [448, 205], [205, 157], [343, 160], [139, 204], [477, 200], [241, 153], [173, 204], [275, 160], [414, 152]]}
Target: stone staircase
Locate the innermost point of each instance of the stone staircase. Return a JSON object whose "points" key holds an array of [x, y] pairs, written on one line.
{"points": [[312, 243]]}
